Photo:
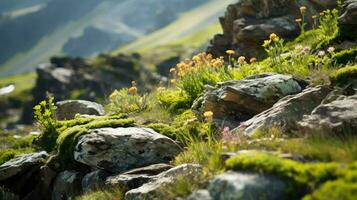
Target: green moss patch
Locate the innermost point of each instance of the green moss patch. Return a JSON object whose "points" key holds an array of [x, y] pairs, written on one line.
{"points": [[344, 75], [301, 178], [175, 101], [348, 56]]}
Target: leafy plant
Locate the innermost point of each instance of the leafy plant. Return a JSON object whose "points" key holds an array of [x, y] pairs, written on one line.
{"points": [[44, 114], [127, 101], [274, 47]]}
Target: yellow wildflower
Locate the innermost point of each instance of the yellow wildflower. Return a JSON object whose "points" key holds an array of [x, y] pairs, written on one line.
{"points": [[322, 13], [230, 52], [241, 60], [298, 20], [274, 37], [133, 83], [173, 70], [314, 17], [133, 90], [173, 81], [114, 94], [160, 89], [208, 115], [303, 9], [253, 60]]}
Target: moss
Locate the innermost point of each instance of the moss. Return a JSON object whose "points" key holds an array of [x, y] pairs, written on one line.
{"points": [[175, 101], [165, 129], [8, 154], [344, 75], [345, 57], [68, 138], [301, 178], [335, 190]]}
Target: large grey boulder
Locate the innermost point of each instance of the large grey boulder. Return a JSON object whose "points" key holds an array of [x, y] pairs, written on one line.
{"points": [[287, 112], [21, 164], [69, 108], [120, 149], [151, 190], [137, 177], [67, 185], [337, 116], [237, 101], [238, 186]]}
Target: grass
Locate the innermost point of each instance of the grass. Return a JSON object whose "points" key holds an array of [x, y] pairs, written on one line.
{"points": [[193, 21], [344, 75], [23, 86], [109, 194]]}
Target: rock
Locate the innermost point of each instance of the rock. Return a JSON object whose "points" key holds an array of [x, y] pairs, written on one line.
{"points": [[67, 185], [94, 180], [247, 23], [233, 185], [137, 177], [69, 108], [338, 116], [151, 189], [347, 20], [21, 164], [237, 101], [121, 149], [287, 112], [200, 195]]}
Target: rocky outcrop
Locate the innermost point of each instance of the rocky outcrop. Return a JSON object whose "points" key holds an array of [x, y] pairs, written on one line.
{"points": [[151, 189], [248, 23], [237, 101], [69, 108], [234, 185], [77, 78], [67, 185], [287, 112], [347, 20], [121, 149], [337, 116]]}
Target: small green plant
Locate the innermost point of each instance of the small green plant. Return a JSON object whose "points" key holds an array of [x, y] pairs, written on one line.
{"points": [[127, 101], [175, 101], [109, 194], [44, 114], [329, 22], [274, 47]]}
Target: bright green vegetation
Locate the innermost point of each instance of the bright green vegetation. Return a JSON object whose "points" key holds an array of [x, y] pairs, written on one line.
{"points": [[344, 75], [344, 57], [303, 178]]}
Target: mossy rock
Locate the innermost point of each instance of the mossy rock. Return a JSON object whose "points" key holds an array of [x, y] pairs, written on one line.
{"points": [[165, 129], [301, 178], [175, 101], [63, 138], [348, 56], [344, 76]]}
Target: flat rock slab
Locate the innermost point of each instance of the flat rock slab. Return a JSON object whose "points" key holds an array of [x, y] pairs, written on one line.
{"points": [[21, 164], [287, 112], [120, 149]]}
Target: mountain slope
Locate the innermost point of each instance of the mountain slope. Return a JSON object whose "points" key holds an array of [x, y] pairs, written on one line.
{"points": [[66, 27]]}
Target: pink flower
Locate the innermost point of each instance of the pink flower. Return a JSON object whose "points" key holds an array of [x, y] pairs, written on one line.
{"points": [[321, 53]]}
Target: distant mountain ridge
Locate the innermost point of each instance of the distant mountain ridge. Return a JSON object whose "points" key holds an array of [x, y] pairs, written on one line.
{"points": [[30, 35]]}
